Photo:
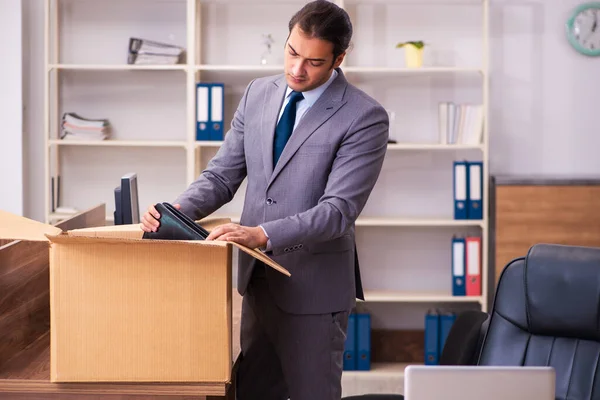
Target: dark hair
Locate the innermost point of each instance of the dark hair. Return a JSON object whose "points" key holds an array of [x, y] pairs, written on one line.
{"points": [[325, 20]]}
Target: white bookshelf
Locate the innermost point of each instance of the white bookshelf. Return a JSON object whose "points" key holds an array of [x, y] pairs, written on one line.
{"points": [[116, 67], [391, 147], [347, 70], [390, 296], [404, 232], [415, 222], [118, 143]]}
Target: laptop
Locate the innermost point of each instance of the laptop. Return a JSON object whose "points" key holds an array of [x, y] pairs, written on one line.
{"points": [[427, 382]]}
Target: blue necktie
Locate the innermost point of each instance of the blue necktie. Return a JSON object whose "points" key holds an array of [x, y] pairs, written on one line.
{"points": [[285, 126]]}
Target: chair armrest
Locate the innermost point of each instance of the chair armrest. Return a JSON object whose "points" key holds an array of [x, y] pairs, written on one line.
{"points": [[482, 332], [464, 341]]}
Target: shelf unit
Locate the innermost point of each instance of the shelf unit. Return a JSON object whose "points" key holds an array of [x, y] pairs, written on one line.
{"points": [[382, 296], [399, 221], [371, 65]]}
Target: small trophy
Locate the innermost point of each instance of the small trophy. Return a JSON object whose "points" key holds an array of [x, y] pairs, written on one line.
{"points": [[267, 42]]}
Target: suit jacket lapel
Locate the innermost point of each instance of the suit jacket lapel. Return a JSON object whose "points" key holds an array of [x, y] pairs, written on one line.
{"points": [[270, 113], [326, 106]]}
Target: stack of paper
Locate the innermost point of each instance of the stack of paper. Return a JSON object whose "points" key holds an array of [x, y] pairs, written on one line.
{"points": [[148, 52], [75, 127]]}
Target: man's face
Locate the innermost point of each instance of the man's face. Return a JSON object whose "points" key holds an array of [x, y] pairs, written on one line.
{"points": [[308, 61]]}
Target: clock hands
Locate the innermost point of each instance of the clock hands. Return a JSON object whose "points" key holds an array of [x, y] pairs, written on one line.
{"points": [[593, 29]]}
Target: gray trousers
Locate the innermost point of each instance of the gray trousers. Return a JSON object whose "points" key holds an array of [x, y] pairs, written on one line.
{"points": [[287, 355]]}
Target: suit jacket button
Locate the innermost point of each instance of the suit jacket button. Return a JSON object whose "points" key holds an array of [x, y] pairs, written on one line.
{"points": [[270, 201]]}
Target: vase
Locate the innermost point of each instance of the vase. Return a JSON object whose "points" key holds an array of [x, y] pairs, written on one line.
{"points": [[266, 58], [413, 56]]}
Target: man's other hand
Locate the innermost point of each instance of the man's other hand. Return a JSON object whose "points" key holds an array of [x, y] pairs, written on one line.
{"points": [[244, 235], [150, 218]]}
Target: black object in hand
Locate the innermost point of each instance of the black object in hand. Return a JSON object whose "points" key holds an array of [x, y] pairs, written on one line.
{"points": [[175, 225]]}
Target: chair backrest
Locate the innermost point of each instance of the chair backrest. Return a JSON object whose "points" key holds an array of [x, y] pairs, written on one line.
{"points": [[546, 313]]}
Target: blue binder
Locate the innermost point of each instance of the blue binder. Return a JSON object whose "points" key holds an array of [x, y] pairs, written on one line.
{"points": [[363, 340], [475, 204], [460, 189], [210, 106], [350, 345], [458, 267], [432, 352], [446, 321]]}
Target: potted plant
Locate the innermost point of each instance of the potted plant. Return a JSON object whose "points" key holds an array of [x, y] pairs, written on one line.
{"points": [[414, 53]]}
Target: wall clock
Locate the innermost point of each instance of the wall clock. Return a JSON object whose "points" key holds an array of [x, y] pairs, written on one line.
{"points": [[583, 29]]}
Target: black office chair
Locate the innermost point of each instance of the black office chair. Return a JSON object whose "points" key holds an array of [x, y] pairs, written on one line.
{"points": [[547, 313]]}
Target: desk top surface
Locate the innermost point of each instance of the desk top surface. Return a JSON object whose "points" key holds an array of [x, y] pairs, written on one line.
{"points": [[29, 372], [546, 180]]}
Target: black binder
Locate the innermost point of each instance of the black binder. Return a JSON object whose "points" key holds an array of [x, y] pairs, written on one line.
{"points": [[175, 225]]}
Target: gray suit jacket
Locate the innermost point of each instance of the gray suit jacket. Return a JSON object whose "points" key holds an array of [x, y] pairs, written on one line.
{"points": [[309, 201]]}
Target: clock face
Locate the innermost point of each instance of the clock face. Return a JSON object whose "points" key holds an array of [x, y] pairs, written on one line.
{"points": [[583, 29]]}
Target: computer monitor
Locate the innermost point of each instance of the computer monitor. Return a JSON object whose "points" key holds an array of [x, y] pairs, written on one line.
{"points": [[127, 208]]}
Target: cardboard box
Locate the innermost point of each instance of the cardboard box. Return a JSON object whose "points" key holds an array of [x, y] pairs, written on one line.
{"points": [[127, 309]]}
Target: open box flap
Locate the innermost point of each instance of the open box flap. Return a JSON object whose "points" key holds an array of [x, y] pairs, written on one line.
{"points": [[134, 231], [129, 231], [132, 234], [99, 238], [15, 227], [210, 223], [260, 256]]}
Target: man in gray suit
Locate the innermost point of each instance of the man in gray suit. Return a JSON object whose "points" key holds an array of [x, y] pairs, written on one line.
{"points": [[311, 146]]}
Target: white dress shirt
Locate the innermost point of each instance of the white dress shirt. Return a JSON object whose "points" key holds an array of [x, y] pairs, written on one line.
{"points": [[302, 106], [310, 98]]}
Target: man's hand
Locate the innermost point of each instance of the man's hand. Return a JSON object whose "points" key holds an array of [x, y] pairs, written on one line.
{"points": [[244, 235], [150, 218]]}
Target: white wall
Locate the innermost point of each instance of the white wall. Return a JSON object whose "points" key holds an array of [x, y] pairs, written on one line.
{"points": [[545, 96], [33, 104], [11, 102], [544, 103]]}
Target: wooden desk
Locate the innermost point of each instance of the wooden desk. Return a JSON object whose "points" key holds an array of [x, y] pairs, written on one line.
{"points": [[25, 332], [27, 376]]}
